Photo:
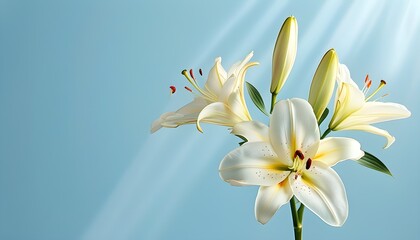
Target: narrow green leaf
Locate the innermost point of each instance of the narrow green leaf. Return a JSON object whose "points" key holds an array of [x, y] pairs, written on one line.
{"points": [[323, 116], [370, 161], [243, 138], [256, 97]]}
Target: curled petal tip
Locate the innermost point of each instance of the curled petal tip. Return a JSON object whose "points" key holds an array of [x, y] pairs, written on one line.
{"points": [[199, 127], [390, 141]]}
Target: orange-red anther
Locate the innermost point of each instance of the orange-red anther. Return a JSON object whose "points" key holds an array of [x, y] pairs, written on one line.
{"points": [[308, 163], [299, 154], [189, 89], [173, 89], [367, 78], [369, 83], [192, 74]]}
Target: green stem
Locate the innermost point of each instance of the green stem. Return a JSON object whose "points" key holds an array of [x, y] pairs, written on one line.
{"points": [[325, 133], [297, 225], [273, 101], [300, 213]]}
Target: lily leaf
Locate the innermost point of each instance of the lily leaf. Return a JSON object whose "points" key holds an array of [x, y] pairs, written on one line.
{"points": [[256, 98], [244, 140], [323, 116], [370, 161]]}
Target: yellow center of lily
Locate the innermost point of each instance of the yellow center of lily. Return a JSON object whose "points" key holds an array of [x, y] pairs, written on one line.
{"points": [[299, 163]]}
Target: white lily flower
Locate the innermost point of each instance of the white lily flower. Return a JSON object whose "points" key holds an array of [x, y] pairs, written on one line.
{"points": [[354, 111], [288, 158], [220, 102]]}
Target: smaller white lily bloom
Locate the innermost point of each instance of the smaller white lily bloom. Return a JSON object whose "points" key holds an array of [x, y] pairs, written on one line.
{"points": [[220, 102], [288, 158], [354, 111]]}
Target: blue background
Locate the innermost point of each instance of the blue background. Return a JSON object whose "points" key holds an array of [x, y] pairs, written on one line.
{"points": [[82, 81]]}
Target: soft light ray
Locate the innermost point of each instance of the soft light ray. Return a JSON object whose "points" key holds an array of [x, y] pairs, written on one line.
{"points": [[223, 32], [405, 35], [132, 189], [257, 32], [165, 214], [119, 205], [345, 41], [311, 35]]}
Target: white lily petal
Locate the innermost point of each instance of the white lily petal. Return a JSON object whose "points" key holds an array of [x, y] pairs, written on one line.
{"points": [[217, 77], [348, 100], [218, 113], [321, 190], [371, 129], [333, 150], [236, 100], [185, 115], [157, 124], [375, 112], [232, 93], [227, 89], [253, 131], [194, 107], [238, 106], [270, 199], [293, 126], [343, 75], [235, 82], [236, 67], [253, 163]]}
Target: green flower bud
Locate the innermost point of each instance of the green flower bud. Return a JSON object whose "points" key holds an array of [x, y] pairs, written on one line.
{"points": [[323, 82], [284, 54]]}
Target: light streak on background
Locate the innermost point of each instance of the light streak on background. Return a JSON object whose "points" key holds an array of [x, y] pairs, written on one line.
{"points": [[130, 203]]}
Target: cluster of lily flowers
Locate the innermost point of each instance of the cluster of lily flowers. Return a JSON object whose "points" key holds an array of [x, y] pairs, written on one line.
{"points": [[289, 158]]}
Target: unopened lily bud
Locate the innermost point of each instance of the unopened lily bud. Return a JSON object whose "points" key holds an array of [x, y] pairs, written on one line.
{"points": [[323, 82], [284, 54]]}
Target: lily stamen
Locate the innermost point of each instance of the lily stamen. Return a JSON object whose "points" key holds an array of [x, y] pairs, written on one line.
{"points": [[173, 89], [194, 84], [308, 164], [192, 74], [200, 71], [299, 154], [381, 85], [368, 83], [379, 98]]}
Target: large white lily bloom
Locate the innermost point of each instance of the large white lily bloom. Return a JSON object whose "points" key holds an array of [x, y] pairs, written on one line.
{"points": [[220, 102], [353, 111], [288, 158]]}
